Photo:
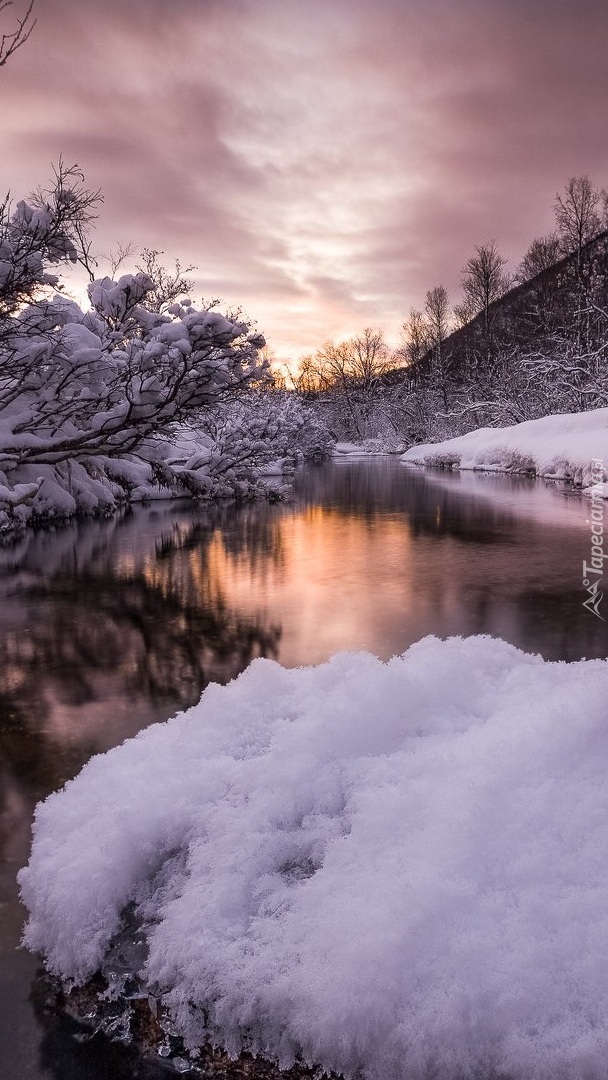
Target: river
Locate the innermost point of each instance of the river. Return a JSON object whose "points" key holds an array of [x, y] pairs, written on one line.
{"points": [[108, 626]]}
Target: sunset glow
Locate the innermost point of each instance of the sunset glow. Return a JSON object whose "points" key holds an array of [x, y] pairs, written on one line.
{"points": [[321, 165]]}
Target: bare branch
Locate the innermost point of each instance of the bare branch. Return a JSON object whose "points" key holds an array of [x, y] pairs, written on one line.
{"points": [[10, 42]]}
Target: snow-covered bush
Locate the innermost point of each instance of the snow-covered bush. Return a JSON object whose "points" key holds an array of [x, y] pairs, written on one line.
{"points": [[305, 436], [91, 400]]}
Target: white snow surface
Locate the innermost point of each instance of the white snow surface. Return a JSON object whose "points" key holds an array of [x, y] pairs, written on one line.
{"points": [[385, 868], [347, 449], [368, 447], [560, 447]]}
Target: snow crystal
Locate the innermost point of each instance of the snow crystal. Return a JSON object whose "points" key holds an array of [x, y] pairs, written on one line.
{"points": [[560, 447], [391, 869]]}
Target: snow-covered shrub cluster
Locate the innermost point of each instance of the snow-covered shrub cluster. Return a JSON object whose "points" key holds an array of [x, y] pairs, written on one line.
{"points": [[389, 869], [560, 447], [125, 400]]}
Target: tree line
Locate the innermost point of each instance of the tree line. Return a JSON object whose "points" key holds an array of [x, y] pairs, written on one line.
{"points": [[516, 346]]}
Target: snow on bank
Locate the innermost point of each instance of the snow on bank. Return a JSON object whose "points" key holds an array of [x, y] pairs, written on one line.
{"points": [[384, 868], [371, 447], [560, 447], [347, 449], [189, 465]]}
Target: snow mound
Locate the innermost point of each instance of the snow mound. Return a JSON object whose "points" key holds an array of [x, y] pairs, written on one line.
{"points": [[560, 447], [347, 449], [371, 447], [598, 491], [394, 870]]}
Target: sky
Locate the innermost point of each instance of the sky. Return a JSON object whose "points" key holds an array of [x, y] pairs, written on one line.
{"points": [[322, 163]]}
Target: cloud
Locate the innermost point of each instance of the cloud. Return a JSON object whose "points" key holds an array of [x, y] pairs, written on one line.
{"points": [[323, 165]]}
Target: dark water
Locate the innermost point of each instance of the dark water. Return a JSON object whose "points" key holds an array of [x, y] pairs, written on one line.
{"points": [[106, 627]]}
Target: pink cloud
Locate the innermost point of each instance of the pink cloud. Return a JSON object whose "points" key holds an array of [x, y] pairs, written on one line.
{"points": [[323, 165]]}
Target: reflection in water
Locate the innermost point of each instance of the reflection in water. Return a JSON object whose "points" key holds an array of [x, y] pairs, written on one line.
{"points": [[106, 627], [375, 556], [140, 623]]}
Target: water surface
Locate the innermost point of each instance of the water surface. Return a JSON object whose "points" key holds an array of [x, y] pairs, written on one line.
{"points": [[108, 626]]}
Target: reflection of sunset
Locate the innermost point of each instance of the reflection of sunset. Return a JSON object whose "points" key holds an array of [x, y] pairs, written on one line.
{"points": [[154, 606], [131, 637], [317, 587]]}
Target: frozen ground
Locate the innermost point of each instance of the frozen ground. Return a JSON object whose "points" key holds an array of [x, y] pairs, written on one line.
{"points": [[388, 869], [560, 447]]}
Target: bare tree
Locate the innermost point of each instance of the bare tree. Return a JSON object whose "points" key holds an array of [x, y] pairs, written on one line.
{"points": [[483, 278], [579, 220], [333, 368], [415, 337], [484, 281], [13, 40], [536, 270], [352, 372], [577, 214], [118, 256], [542, 254], [370, 358], [437, 312], [306, 379]]}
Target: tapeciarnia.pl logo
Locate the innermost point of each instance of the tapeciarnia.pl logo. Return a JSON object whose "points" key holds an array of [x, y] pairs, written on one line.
{"points": [[593, 571]]}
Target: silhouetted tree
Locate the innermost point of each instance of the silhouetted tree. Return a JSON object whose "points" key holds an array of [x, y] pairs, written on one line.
{"points": [[351, 372], [483, 282], [437, 313], [578, 216], [580, 213], [542, 254], [415, 337]]}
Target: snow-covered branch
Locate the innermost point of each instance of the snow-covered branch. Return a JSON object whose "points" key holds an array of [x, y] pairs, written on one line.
{"points": [[118, 381]]}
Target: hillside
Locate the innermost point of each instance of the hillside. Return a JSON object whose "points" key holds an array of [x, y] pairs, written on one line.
{"points": [[564, 305]]}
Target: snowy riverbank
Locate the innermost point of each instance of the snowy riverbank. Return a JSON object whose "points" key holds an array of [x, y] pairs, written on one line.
{"points": [[381, 868], [561, 447], [366, 448], [191, 465]]}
